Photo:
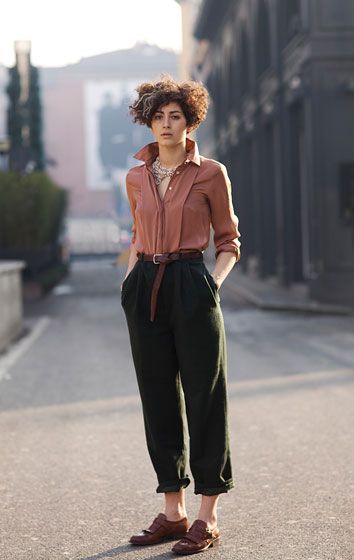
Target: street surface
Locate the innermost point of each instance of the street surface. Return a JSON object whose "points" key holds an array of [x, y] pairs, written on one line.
{"points": [[75, 477]]}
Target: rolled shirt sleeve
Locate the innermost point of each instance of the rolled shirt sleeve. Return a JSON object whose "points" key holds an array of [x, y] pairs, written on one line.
{"points": [[223, 218]]}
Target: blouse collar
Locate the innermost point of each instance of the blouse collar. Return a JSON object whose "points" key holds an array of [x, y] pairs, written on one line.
{"points": [[149, 152]]}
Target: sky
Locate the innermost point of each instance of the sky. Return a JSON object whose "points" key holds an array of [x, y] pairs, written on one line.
{"points": [[63, 31]]}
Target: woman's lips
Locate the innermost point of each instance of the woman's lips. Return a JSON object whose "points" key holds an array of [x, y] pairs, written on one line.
{"points": [[167, 134]]}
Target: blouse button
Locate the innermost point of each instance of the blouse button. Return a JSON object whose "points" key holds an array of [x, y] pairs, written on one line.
{"points": [[170, 188]]}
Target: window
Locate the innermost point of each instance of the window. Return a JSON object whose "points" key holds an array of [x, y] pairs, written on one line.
{"points": [[263, 56], [292, 18], [244, 63]]}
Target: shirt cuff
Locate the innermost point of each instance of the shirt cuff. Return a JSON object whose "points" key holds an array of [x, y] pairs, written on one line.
{"points": [[229, 249]]}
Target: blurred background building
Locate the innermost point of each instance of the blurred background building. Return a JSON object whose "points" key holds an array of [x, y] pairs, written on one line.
{"points": [[190, 46], [90, 138], [4, 145], [280, 74]]}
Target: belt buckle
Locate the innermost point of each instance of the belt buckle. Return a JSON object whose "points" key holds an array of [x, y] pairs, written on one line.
{"points": [[156, 255]]}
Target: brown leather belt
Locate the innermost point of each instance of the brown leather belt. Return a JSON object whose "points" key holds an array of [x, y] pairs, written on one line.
{"points": [[163, 259]]}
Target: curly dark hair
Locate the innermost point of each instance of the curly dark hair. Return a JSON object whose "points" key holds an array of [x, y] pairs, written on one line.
{"points": [[192, 96]]}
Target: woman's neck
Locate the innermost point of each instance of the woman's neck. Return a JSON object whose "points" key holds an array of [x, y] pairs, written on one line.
{"points": [[172, 156]]}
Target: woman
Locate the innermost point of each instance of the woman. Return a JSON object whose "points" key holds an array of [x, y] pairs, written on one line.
{"points": [[171, 303]]}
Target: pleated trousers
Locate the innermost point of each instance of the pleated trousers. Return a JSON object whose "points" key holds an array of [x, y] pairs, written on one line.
{"points": [[181, 368]]}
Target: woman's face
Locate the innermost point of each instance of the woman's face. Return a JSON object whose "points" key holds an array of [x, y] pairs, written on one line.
{"points": [[169, 125]]}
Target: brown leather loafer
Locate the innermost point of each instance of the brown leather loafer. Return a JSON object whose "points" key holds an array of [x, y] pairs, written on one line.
{"points": [[198, 538], [161, 530]]}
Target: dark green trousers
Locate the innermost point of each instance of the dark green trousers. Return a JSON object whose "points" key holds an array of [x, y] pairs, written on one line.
{"points": [[183, 352]]}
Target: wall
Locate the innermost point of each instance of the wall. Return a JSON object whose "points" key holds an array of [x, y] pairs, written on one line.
{"points": [[11, 315]]}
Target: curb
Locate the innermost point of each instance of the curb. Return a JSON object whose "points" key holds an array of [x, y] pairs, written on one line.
{"points": [[270, 303]]}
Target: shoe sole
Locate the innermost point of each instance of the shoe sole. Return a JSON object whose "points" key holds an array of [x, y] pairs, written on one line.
{"points": [[164, 539], [215, 542]]}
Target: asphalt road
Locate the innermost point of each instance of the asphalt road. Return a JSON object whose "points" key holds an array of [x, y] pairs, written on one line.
{"points": [[75, 477]]}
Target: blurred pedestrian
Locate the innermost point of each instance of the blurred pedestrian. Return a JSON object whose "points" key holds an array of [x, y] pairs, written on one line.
{"points": [[172, 306]]}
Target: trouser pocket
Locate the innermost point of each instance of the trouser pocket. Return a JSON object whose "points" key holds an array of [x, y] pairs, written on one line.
{"points": [[128, 283], [209, 280]]}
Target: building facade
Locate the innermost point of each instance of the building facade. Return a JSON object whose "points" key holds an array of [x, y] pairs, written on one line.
{"points": [[190, 46], [280, 74]]}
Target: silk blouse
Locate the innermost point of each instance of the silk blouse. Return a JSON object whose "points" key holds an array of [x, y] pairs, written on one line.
{"points": [[198, 196]]}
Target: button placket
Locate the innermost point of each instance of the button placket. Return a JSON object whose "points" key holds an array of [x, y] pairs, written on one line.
{"points": [[166, 198]]}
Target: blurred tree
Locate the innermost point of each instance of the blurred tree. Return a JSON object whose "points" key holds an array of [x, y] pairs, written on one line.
{"points": [[14, 117], [24, 122], [35, 120]]}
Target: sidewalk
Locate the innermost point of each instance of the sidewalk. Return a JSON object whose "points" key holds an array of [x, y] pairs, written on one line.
{"points": [[269, 295]]}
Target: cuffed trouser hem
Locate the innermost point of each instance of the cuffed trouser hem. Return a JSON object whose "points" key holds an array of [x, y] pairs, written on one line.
{"points": [[173, 485], [208, 491]]}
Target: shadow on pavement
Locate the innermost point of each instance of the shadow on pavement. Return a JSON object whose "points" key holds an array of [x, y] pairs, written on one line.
{"points": [[114, 552]]}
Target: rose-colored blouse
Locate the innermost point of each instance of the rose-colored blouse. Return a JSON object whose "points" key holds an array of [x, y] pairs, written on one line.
{"points": [[198, 196]]}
